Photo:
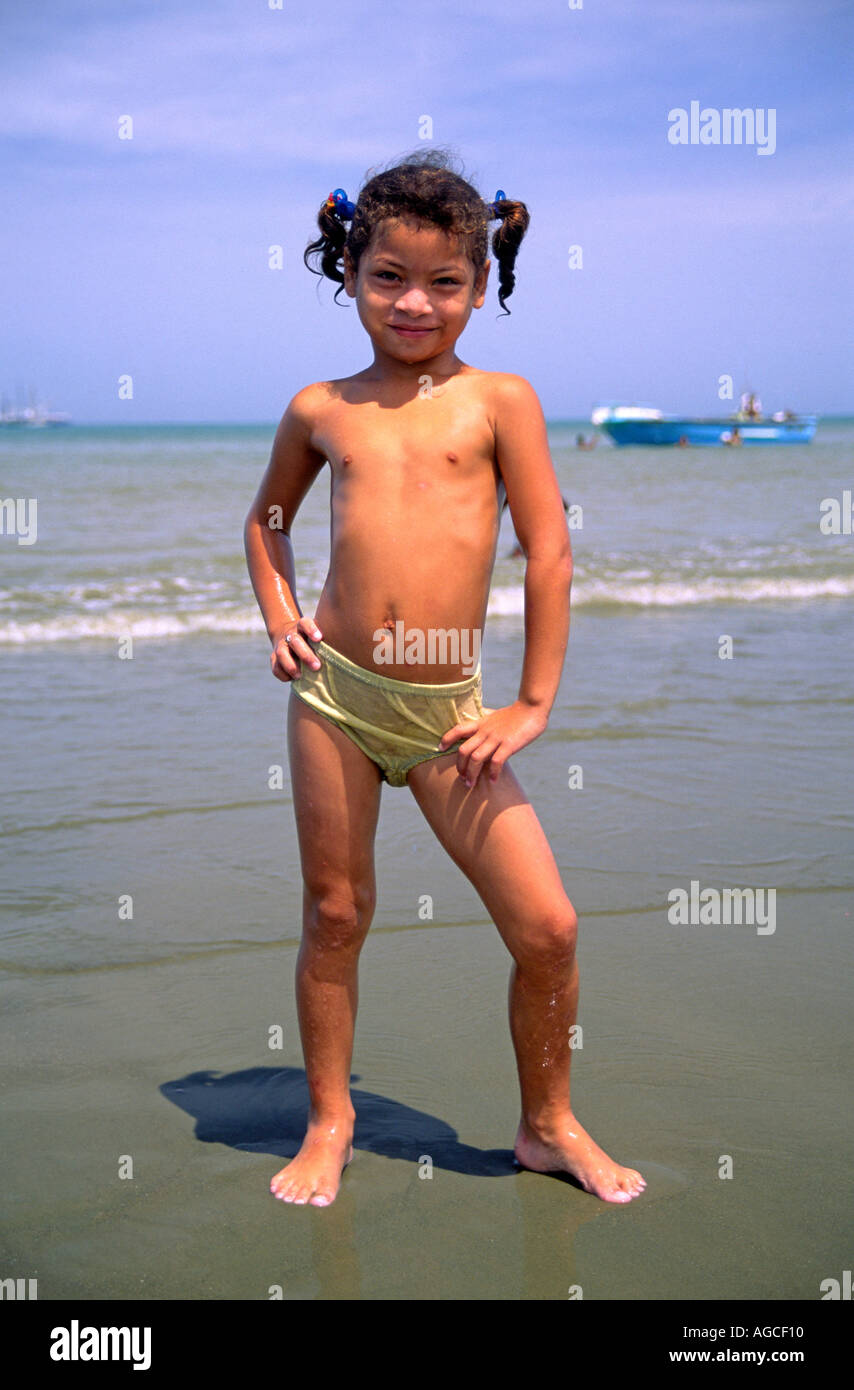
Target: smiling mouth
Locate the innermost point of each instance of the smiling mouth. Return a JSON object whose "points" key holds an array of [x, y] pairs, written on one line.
{"points": [[403, 328]]}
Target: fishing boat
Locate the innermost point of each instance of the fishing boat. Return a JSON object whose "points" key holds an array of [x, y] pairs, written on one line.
{"points": [[36, 415], [634, 424]]}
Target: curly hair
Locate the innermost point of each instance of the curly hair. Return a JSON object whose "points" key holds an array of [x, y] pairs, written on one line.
{"points": [[425, 187]]}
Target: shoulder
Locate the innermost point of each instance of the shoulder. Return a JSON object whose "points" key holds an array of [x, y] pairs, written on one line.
{"points": [[511, 392], [513, 402], [503, 392], [297, 429], [513, 387], [312, 400], [305, 406], [304, 414]]}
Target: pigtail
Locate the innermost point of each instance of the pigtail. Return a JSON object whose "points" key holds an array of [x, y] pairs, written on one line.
{"points": [[426, 187], [326, 250], [506, 241]]}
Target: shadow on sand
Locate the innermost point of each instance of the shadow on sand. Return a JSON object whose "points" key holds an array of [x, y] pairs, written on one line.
{"points": [[264, 1110]]}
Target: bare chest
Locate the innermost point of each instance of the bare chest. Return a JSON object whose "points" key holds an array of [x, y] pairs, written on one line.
{"points": [[426, 447]]}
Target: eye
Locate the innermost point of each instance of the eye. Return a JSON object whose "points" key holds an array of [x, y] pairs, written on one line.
{"points": [[448, 280], [380, 273]]}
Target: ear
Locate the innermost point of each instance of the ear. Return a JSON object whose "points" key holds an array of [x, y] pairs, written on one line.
{"points": [[479, 290]]}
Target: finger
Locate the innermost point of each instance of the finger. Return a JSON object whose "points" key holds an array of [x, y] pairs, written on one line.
{"points": [[310, 628], [479, 761], [459, 731], [300, 650], [468, 766], [281, 664], [496, 763], [285, 660]]}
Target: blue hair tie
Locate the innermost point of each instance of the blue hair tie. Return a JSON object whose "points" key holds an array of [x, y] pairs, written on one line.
{"points": [[340, 203], [500, 197]]}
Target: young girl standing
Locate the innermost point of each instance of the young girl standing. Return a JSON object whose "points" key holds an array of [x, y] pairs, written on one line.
{"points": [[385, 678]]}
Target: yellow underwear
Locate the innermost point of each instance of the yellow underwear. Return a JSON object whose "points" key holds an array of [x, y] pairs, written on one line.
{"points": [[397, 723]]}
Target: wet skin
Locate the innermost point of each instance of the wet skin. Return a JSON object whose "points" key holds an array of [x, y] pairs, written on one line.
{"points": [[417, 468]]}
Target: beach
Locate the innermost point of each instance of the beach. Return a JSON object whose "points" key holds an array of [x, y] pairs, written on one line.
{"points": [[151, 899]]}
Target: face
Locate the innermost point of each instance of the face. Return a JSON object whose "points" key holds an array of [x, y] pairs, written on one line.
{"points": [[415, 290]]}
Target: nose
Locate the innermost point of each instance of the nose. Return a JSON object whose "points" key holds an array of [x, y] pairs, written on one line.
{"points": [[414, 301]]}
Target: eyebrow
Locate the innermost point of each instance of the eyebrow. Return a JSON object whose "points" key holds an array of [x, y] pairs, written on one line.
{"points": [[400, 266]]}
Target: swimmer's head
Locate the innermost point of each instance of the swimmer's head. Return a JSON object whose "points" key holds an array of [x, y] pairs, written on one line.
{"points": [[425, 190]]}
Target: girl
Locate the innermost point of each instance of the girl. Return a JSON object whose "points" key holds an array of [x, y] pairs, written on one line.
{"points": [[385, 679]]}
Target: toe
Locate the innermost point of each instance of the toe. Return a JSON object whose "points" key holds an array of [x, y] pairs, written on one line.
{"points": [[327, 1191], [626, 1187]]}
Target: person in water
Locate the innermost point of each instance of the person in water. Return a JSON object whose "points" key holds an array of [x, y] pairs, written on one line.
{"points": [[751, 406], [421, 447]]}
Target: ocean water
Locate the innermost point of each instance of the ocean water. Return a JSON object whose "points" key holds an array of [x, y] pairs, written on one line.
{"points": [[150, 897], [136, 530]]}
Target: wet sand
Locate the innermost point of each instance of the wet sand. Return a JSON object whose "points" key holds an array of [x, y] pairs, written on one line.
{"points": [[169, 1064], [149, 1038]]}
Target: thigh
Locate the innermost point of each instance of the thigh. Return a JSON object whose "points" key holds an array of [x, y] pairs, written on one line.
{"points": [[493, 834], [336, 792]]}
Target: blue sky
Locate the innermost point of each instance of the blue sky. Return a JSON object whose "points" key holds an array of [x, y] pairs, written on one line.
{"points": [[149, 256]]}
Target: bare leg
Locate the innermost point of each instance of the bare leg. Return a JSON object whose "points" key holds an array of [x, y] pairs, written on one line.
{"points": [[336, 792], [493, 834]]}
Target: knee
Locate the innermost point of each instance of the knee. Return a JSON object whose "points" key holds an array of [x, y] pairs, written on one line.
{"points": [[549, 943], [338, 918]]}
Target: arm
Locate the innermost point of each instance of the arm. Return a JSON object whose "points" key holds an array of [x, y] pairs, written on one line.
{"points": [[536, 507], [294, 465]]}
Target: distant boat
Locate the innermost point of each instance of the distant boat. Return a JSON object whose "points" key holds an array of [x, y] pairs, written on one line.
{"points": [[633, 424], [34, 416]]}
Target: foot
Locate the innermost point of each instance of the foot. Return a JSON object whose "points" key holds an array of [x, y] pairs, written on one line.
{"points": [[568, 1148], [314, 1175]]}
